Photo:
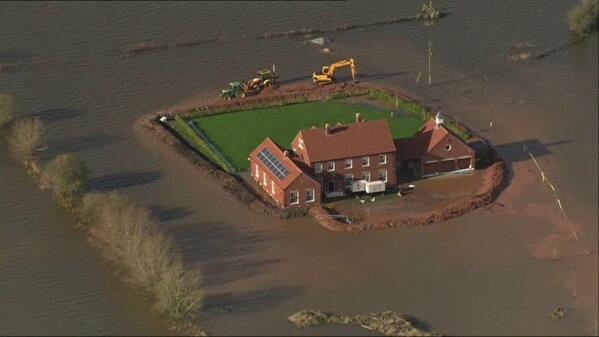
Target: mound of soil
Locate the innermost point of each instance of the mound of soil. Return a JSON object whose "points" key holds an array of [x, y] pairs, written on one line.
{"points": [[388, 323]]}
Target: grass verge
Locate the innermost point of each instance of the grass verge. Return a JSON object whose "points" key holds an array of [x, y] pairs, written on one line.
{"points": [[187, 132]]}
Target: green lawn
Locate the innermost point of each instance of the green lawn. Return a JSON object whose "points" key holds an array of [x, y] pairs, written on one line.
{"points": [[236, 134]]}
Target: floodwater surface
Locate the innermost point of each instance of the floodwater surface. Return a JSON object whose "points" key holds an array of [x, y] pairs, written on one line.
{"points": [[489, 272]]}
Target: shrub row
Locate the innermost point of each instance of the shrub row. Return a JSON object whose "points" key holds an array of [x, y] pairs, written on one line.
{"points": [[128, 233], [418, 110], [132, 239]]}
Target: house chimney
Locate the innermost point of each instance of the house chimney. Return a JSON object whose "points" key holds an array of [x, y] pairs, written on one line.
{"points": [[438, 119], [358, 118], [327, 130]]}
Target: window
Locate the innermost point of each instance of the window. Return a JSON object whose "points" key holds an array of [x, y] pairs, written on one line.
{"points": [[300, 143], [366, 176], [257, 175], [310, 195], [365, 161], [447, 147], [349, 178], [272, 187], [331, 166], [264, 179], [317, 167], [293, 197], [348, 164], [383, 175], [382, 159]]}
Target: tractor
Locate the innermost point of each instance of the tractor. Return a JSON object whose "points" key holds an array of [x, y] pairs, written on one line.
{"points": [[266, 78], [236, 89]]}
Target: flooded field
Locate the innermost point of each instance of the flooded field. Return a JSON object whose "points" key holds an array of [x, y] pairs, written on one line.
{"points": [[489, 272]]}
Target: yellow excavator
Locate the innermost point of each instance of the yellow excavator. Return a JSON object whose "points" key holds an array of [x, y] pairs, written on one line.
{"points": [[326, 76]]}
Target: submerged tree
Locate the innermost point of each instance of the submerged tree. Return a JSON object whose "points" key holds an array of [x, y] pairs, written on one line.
{"points": [[26, 138], [6, 110], [582, 18], [67, 177]]}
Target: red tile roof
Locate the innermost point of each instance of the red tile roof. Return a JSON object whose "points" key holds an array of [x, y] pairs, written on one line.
{"points": [[422, 142], [348, 141], [413, 147], [294, 170]]}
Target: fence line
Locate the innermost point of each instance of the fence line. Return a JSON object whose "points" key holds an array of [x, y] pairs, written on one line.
{"points": [[555, 193]]}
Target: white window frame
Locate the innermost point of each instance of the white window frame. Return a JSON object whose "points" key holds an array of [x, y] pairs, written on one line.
{"points": [[264, 180], [384, 156], [366, 173], [313, 195], [317, 167], [272, 187], [257, 176], [300, 143], [351, 179], [367, 161], [330, 169], [351, 164], [386, 175], [296, 198]]}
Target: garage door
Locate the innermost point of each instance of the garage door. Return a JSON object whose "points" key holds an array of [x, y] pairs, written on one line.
{"points": [[430, 168], [448, 165], [463, 163]]}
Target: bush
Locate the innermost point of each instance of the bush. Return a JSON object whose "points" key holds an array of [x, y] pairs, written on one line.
{"points": [[6, 110], [582, 18], [26, 138], [67, 177], [132, 239]]}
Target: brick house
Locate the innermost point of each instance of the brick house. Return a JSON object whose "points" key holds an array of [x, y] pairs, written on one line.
{"points": [[338, 155], [433, 150], [281, 178]]}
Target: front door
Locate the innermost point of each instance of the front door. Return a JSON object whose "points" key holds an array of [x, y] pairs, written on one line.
{"points": [[332, 186]]}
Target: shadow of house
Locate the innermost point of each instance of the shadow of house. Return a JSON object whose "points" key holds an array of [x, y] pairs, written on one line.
{"points": [[515, 151], [249, 301], [122, 180]]}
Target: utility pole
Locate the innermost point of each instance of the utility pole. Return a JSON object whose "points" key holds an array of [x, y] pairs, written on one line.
{"points": [[430, 53]]}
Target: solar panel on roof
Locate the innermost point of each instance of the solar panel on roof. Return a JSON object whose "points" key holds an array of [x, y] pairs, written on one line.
{"points": [[273, 164]]}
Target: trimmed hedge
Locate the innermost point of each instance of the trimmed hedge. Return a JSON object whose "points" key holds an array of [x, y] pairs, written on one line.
{"points": [[418, 110], [199, 144]]}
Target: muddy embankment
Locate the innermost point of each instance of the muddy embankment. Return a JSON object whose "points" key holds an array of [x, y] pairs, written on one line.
{"points": [[494, 180], [495, 177]]}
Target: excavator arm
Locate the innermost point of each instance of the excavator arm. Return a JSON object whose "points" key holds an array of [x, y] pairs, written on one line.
{"points": [[328, 72]]}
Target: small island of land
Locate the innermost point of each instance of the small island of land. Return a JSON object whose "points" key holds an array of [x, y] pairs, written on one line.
{"points": [[431, 168]]}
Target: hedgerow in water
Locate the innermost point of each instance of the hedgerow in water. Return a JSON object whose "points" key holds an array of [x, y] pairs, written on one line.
{"points": [[6, 110], [26, 138], [67, 177], [583, 17], [132, 239]]}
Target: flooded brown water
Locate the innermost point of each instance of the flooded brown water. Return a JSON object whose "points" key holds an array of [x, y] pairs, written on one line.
{"points": [[473, 275]]}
